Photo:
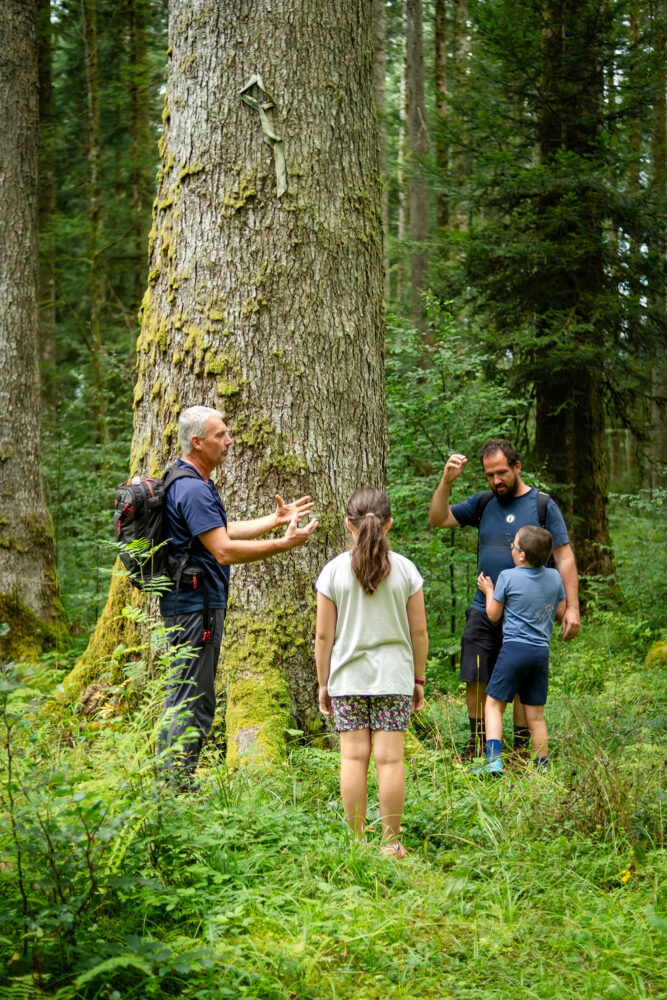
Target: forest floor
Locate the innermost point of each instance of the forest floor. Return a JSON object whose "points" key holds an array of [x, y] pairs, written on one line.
{"points": [[529, 886]]}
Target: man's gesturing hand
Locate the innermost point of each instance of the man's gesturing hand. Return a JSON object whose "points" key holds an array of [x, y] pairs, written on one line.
{"points": [[285, 512], [296, 535]]}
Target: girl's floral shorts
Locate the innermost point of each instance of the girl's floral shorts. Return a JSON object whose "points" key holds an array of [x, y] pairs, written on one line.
{"points": [[390, 712]]}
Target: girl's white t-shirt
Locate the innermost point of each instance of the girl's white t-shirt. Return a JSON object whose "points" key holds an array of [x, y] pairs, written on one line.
{"points": [[372, 652]]}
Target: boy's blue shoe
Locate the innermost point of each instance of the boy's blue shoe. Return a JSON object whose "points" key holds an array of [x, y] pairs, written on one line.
{"points": [[490, 767]]}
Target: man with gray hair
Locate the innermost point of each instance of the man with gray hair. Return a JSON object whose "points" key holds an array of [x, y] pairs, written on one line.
{"points": [[201, 539]]}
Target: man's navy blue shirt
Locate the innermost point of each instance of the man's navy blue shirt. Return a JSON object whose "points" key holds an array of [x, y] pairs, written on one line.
{"points": [[193, 506], [500, 523]]}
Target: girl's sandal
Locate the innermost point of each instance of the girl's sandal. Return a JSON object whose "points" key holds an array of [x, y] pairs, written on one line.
{"points": [[393, 850]]}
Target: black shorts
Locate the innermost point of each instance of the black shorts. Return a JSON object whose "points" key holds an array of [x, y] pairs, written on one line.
{"points": [[480, 646]]}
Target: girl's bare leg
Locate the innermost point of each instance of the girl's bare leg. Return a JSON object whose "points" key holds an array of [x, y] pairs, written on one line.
{"points": [[355, 754], [389, 763]]}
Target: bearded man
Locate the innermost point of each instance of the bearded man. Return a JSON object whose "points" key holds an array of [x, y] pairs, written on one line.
{"points": [[512, 505]]}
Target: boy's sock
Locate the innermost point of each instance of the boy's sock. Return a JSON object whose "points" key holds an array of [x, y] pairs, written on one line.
{"points": [[541, 763], [521, 737], [492, 750]]}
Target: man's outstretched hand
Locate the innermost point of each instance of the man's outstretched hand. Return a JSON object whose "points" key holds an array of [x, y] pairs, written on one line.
{"points": [[286, 512], [298, 536]]}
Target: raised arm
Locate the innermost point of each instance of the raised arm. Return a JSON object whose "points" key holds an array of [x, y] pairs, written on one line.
{"points": [[325, 633], [567, 567], [439, 514], [283, 514]]}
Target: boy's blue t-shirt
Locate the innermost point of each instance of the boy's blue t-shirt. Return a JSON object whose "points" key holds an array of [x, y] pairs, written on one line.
{"points": [[499, 524], [193, 506], [531, 597]]}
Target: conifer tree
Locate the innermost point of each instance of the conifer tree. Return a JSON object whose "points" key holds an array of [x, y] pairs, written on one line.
{"points": [[264, 300], [28, 586]]}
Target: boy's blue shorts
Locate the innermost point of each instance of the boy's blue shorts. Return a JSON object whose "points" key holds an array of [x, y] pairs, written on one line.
{"points": [[521, 668]]}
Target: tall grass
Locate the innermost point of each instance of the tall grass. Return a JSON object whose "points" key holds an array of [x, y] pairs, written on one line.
{"points": [[534, 886]]}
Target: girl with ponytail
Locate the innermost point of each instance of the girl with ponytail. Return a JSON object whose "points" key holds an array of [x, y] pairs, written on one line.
{"points": [[370, 650]]}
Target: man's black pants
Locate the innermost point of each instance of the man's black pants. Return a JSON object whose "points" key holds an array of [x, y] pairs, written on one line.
{"points": [[189, 706]]}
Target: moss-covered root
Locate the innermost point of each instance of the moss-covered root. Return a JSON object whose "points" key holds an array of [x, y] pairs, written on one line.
{"points": [[28, 636], [258, 700], [112, 630]]}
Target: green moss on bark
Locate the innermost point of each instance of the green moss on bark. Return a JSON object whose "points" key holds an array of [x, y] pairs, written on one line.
{"points": [[28, 636], [657, 655], [113, 632], [258, 651]]}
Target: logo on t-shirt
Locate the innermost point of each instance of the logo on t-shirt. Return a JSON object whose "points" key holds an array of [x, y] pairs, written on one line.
{"points": [[510, 518]]}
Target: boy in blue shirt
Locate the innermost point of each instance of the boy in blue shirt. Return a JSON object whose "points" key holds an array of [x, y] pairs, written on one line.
{"points": [[529, 599]]}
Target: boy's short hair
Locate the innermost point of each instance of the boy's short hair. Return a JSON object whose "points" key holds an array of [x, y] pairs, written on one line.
{"points": [[537, 544]]}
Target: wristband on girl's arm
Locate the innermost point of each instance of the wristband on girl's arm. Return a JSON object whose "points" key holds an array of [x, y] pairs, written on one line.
{"points": [[420, 680]]}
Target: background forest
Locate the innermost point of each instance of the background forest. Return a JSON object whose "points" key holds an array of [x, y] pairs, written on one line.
{"points": [[522, 153]]}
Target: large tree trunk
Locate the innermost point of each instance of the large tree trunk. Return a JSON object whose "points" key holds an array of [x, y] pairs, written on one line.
{"points": [[28, 587], [570, 419], [265, 301]]}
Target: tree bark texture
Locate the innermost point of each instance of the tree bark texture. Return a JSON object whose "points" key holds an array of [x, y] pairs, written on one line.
{"points": [[657, 450], [95, 221], [140, 132], [570, 417], [47, 208], [28, 587], [379, 75], [401, 177], [417, 140], [441, 108], [268, 306], [458, 160]]}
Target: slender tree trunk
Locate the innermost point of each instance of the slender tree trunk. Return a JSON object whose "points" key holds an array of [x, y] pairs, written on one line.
{"points": [[140, 132], [28, 587], [47, 209], [417, 140], [458, 164], [379, 74], [95, 221], [441, 108], [570, 419], [401, 178], [265, 300], [657, 449]]}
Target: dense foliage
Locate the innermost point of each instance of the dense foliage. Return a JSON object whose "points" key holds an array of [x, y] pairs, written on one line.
{"points": [[112, 887]]}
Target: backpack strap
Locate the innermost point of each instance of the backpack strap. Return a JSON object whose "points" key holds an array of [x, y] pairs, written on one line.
{"points": [[482, 503], [542, 504], [178, 565], [172, 474]]}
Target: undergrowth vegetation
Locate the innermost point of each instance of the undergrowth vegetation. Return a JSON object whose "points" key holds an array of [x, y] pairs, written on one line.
{"points": [[544, 886], [548, 886]]}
